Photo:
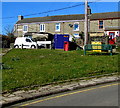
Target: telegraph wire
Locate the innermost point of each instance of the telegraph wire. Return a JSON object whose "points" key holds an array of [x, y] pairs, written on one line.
{"points": [[8, 17], [52, 10], [56, 9], [46, 11]]}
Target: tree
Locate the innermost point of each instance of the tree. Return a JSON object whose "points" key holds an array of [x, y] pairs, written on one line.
{"points": [[9, 30], [8, 38]]}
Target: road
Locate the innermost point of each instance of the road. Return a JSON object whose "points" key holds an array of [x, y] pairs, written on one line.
{"points": [[101, 95]]}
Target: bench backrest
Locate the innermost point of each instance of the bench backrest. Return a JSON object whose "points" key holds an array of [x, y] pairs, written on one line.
{"points": [[98, 46]]}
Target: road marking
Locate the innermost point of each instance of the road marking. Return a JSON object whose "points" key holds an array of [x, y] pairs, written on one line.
{"points": [[69, 94]]}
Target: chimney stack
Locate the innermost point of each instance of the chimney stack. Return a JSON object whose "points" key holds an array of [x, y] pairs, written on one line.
{"points": [[89, 10], [20, 17]]}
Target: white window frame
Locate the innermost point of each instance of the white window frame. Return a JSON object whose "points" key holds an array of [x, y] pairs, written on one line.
{"points": [[24, 28], [100, 25], [42, 27], [77, 29], [57, 25]]}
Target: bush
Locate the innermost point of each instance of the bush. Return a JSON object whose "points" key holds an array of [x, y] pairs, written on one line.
{"points": [[6, 40]]}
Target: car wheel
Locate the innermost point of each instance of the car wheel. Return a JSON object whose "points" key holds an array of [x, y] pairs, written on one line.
{"points": [[16, 46], [33, 47]]}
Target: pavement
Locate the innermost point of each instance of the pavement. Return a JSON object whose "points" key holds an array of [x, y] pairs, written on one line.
{"points": [[8, 99]]}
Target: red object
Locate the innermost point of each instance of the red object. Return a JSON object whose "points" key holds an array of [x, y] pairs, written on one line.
{"points": [[111, 41], [112, 38], [66, 46]]}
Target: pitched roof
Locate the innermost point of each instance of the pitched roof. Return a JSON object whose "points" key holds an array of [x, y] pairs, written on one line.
{"points": [[94, 16], [107, 15]]}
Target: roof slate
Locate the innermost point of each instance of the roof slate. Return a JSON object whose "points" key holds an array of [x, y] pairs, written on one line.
{"points": [[94, 16]]}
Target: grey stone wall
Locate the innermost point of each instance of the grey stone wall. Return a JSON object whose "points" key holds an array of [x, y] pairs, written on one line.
{"points": [[51, 28], [65, 28], [19, 31], [33, 27], [94, 25], [113, 22]]}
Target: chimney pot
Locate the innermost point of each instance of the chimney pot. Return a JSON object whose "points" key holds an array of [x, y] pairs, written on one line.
{"points": [[20, 17]]}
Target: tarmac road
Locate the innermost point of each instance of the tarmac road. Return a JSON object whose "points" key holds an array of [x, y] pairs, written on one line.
{"points": [[101, 95]]}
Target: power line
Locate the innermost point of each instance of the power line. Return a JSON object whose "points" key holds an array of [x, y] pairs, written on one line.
{"points": [[45, 11], [61, 8], [56, 9], [8, 17], [51, 10]]}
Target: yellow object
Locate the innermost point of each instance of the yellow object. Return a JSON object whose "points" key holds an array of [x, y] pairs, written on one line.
{"points": [[97, 34], [66, 36], [96, 47]]}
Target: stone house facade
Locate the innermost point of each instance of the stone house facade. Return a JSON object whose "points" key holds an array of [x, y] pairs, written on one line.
{"points": [[70, 24]]}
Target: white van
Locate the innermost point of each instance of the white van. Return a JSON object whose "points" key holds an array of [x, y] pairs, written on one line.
{"points": [[24, 42]]}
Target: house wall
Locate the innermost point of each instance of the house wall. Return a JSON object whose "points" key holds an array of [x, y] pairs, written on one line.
{"points": [[50, 28], [65, 28], [94, 25], [18, 31], [112, 22], [33, 27]]}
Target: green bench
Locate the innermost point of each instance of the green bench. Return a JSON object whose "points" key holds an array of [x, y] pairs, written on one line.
{"points": [[105, 47]]}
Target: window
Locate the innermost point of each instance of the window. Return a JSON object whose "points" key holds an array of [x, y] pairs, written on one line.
{"points": [[25, 28], [100, 24], [28, 40], [42, 27], [76, 26], [57, 27]]}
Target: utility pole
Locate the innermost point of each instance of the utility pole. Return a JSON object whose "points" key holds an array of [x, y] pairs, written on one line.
{"points": [[86, 23]]}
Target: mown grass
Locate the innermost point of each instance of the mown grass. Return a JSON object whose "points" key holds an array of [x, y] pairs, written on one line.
{"points": [[36, 67]]}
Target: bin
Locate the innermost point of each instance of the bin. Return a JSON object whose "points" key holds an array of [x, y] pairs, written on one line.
{"points": [[66, 46]]}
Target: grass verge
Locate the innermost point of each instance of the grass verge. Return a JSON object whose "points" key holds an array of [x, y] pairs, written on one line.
{"points": [[28, 67]]}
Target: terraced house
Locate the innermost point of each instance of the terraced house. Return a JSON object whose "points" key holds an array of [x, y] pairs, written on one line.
{"points": [[100, 24]]}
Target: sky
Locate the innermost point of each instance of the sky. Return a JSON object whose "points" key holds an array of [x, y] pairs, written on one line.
{"points": [[11, 8]]}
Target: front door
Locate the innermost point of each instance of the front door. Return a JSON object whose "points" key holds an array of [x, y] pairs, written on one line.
{"points": [[112, 34], [111, 37]]}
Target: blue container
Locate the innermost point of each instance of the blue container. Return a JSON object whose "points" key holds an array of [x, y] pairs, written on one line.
{"points": [[59, 40]]}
